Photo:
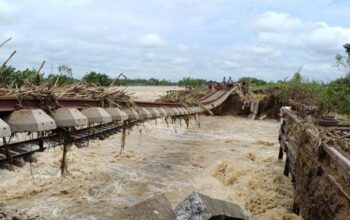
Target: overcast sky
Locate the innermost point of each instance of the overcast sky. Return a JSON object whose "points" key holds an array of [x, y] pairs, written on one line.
{"points": [[268, 39]]}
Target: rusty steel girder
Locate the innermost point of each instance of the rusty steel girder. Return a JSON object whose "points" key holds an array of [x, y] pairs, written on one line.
{"points": [[9, 104]]}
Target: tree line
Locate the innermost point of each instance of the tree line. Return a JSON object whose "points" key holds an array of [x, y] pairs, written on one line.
{"points": [[10, 76], [334, 96]]}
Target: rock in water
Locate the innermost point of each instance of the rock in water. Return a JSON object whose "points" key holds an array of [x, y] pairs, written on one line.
{"points": [[200, 207], [156, 208]]}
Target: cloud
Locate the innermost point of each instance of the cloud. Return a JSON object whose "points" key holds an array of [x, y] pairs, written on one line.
{"points": [[283, 43], [171, 39], [282, 30], [180, 60], [277, 45], [182, 47], [74, 3], [277, 22], [150, 56], [8, 14], [152, 40], [7, 8], [254, 51]]}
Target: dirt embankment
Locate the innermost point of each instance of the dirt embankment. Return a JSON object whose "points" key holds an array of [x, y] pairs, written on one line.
{"points": [[260, 104], [267, 104], [320, 179]]}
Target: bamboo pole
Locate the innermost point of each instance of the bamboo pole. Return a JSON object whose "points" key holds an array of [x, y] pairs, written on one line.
{"points": [[42, 65], [5, 42], [8, 59]]}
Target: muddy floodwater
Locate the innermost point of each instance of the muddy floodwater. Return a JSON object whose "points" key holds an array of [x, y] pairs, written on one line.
{"points": [[228, 158]]}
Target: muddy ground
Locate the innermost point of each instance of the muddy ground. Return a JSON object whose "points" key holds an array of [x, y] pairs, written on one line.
{"points": [[229, 158]]}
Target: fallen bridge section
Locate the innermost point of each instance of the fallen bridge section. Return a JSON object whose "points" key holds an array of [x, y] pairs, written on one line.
{"points": [[319, 166]]}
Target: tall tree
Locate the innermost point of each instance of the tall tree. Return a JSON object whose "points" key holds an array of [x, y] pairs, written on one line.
{"points": [[65, 70]]}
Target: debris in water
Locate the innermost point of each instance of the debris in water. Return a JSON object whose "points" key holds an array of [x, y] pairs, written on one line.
{"points": [[7, 213], [67, 143], [123, 139]]}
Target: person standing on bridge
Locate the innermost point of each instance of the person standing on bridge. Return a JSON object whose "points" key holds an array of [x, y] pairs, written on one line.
{"points": [[210, 85], [229, 83], [222, 85]]}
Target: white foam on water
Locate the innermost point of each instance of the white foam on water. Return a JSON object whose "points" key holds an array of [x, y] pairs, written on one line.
{"points": [[228, 158]]}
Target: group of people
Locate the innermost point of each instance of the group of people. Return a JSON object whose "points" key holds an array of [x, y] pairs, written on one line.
{"points": [[225, 84], [228, 83]]}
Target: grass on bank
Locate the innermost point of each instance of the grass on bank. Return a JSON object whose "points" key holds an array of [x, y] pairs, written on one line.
{"points": [[330, 97]]}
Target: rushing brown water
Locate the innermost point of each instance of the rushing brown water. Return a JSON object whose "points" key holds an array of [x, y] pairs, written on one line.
{"points": [[229, 158]]}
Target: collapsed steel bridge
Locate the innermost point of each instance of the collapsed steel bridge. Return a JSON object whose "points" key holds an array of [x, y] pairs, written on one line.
{"points": [[85, 118]]}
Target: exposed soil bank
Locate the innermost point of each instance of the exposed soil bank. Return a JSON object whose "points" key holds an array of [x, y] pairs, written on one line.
{"points": [[228, 158], [268, 105]]}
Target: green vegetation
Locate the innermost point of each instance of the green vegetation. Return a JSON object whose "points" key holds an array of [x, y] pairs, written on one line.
{"points": [[98, 79], [253, 81], [187, 81], [146, 82], [60, 80], [333, 96], [10, 76]]}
